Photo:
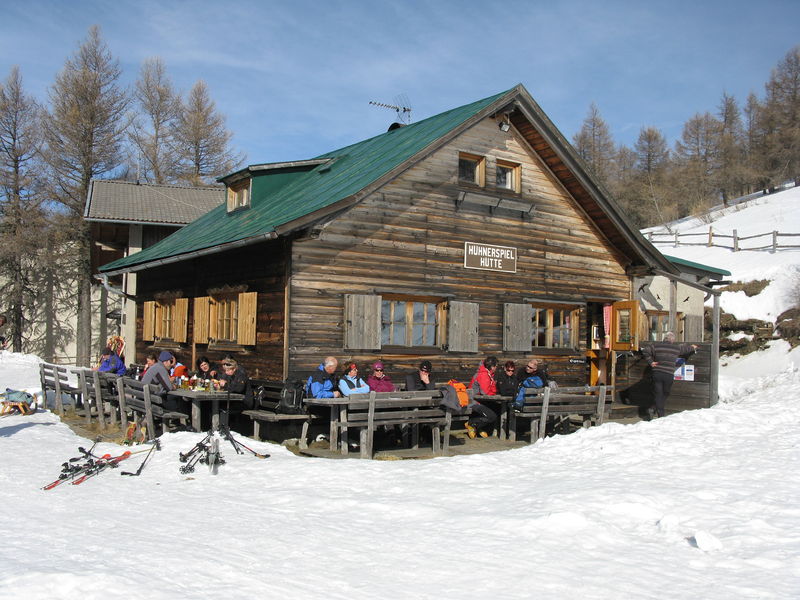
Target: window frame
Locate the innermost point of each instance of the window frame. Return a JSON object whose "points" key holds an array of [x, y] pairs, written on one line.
{"points": [[239, 195], [440, 321], [662, 316], [515, 175], [479, 178], [572, 312]]}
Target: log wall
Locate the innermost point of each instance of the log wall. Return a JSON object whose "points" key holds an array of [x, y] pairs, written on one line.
{"points": [[408, 238]]}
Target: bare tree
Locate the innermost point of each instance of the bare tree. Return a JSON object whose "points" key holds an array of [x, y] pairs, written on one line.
{"points": [[782, 115], [83, 131], [153, 131], [202, 139], [595, 145], [21, 218]]}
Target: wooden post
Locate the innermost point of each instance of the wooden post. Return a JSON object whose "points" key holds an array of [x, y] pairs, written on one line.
{"points": [[673, 305], [676, 239], [710, 236], [714, 360], [774, 241], [735, 241]]}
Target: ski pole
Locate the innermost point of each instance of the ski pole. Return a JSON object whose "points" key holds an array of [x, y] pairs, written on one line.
{"points": [[156, 446]]}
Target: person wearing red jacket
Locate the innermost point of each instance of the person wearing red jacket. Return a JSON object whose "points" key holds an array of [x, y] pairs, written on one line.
{"points": [[483, 383], [379, 381]]}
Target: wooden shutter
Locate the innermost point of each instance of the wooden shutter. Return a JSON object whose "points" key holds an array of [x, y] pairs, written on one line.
{"points": [[149, 321], [517, 327], [362, 322], [200, 320], [180, 320], [212, 320], [246, 334], [462, 327], [626, 330]]}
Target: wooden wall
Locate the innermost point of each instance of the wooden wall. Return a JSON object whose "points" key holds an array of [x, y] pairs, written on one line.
{"points": [[261, 267], [408, 238]]}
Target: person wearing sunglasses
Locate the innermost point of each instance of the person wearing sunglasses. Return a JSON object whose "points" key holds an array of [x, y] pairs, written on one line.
{"points": [[379, 381], [507, 382]]}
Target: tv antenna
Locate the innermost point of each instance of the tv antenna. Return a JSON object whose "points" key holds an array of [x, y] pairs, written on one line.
{"points": [[400, 107]]}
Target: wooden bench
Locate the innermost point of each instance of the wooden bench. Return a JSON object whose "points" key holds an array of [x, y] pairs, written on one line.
{"points": [[99, 391], [589, 402], [267, 395], [57, 378], [143, 399], [367, 412]]}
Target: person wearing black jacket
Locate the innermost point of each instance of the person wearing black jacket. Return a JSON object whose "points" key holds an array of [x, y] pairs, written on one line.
{"points": [[234, 379], [421, 379], [662, 358], [507, 382]]}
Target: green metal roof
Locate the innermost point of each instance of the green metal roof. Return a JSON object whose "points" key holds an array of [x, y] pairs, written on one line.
{"points": [[282, 196], [694, 265]]}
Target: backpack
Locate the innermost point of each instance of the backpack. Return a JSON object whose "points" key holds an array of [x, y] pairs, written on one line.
{"points": [[455, 397], [292, 394], [17, 401]]}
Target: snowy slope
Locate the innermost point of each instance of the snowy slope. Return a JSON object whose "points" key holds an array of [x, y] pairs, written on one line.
{"points": [[776, 212]]}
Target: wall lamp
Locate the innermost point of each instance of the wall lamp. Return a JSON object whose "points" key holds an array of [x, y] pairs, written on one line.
{"points": [[504, 123]]}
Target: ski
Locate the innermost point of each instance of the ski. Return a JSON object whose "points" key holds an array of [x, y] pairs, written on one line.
{"points": [[101, 465], [237, 445]]}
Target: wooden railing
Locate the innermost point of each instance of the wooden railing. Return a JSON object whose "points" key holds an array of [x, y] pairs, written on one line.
{"points": [[719, 240]]}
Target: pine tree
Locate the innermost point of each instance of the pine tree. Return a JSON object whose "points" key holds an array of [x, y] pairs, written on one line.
{"points": [[84, 131], [781, 115], [731, 174], [202, 140], [152, 133], [595, 145], [697, 153], [21, 217]]}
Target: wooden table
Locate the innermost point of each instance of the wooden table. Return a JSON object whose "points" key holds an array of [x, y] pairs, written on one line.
{"points": [[340, 406], [503, 404], [198, 397]]}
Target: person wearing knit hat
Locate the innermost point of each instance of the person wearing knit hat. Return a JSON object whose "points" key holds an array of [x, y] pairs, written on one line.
{"points": [[110, 362], [158, 375], [421, 379], [351, 383], [379, 381]]}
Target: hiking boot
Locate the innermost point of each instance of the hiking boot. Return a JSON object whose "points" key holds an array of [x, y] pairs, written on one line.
{"points": [[484, 434], [470, 431]]}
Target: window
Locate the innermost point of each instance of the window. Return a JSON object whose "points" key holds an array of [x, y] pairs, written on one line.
{"points": [[658, 325], [165, 319], [471, 169], [555, 326], [239, 195], [410, 323], [226, 318], [373, 321], [507, 176]]}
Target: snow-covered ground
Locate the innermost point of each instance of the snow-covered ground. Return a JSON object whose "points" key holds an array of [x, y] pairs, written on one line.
{"points": [[700, 504]]}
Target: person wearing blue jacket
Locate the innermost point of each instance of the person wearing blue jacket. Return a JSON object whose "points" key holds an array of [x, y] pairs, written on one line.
{"points": [[111, 363], [531, 376], [351, 383], [322, 384]]}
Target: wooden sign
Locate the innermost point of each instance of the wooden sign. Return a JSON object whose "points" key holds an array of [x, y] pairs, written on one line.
{"points": [[490, 258]]}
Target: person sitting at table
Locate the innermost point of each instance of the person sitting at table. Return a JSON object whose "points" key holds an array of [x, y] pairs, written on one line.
{"points": [[322, 384], [158, 375], [235, 380], [111, 362], [483, 383], [421, 379], [379, 381], [149, 361], [506, 379], [531, 376], [351, 383], [205, 370], [178, 369]]}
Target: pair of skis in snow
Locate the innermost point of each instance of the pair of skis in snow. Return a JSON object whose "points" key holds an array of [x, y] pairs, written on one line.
{"points": [[76, 472]]}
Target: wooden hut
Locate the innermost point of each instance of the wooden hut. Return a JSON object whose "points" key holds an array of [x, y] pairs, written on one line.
{"points": [[474, 232]]}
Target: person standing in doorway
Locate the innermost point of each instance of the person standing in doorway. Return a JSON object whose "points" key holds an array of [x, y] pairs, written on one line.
{"points": [[663, 358]]}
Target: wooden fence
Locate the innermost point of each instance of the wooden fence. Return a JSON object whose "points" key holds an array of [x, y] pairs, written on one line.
{"points": [[720, 240]]}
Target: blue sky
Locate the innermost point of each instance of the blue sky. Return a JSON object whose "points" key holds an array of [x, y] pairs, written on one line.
{"points": [[294, 79]]}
